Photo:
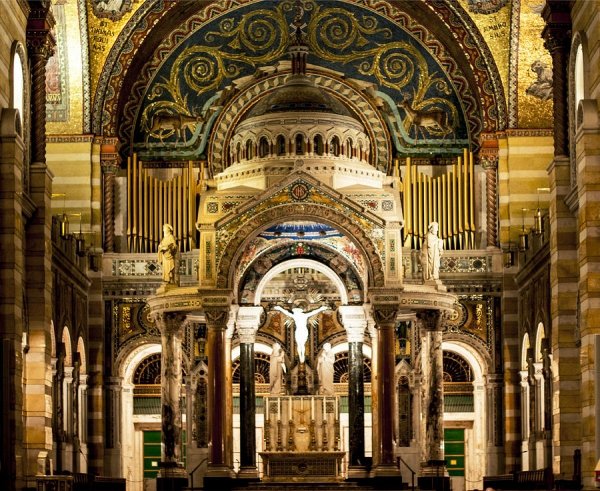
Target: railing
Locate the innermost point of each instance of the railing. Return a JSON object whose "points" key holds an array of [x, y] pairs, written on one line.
{"points": [[412, 472], [80, 482], [191, 474]]}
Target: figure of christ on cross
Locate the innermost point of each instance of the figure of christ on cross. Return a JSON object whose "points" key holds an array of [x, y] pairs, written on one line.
{"points": [[301, 322]]}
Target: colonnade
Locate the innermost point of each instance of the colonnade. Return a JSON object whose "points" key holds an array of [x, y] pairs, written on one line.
{"points": [[378, 320]]}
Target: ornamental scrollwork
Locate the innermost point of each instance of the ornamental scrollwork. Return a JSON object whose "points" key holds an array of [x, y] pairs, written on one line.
{"points": [[257, 38]]}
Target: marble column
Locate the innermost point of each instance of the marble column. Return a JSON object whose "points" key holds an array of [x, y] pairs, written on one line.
{"points": [[248, 321], [385, 319], [216, 323], [433, 373], [172, 331], [372, 331], [110, 163], [355, 323]]}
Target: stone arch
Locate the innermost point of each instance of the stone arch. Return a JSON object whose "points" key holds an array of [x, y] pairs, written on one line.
{"points": [[294, 263], [82, 356], [52, 340], [232, 253], [65, 338], [540, 335], [525, 345], [18, 75]]}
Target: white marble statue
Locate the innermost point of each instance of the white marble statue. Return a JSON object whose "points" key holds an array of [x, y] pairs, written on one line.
{"points": [[325, 370], [167, 253], [301, 322], [277, 370], [431, 251]]}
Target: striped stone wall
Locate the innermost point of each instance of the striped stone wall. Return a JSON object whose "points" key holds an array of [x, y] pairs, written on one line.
{"points": [[586, 21]]}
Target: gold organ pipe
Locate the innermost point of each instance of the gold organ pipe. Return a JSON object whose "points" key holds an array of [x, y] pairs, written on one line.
{"points": [[134, 186], [425, 199], [459, 203], [191, 204], [144, 212], [150, 211], [129, 203], [180, 207], [408, 198], [440, 215], [454, 204], [467, 197], [430, 206], [472, 191], [156, 221], [140, 209], [444, 205], [184, 209], [419, 207]]}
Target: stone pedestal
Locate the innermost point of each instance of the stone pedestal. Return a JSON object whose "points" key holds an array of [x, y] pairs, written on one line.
{"points": [[433, 476], [171, 477]]}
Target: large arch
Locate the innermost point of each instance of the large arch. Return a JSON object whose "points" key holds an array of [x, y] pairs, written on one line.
{"points": [[230, 258], [143, 46], [300, 263]]}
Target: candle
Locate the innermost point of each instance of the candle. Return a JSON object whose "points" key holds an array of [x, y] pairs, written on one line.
{"points": [[324, 408], [278, 409], [266, 409], [312, 408], [336, 409], [290, 408]]}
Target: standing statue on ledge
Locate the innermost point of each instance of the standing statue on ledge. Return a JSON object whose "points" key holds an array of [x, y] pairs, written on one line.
{"points": [[277, 370], [325, 370], [300, 320], [430, 253], [167, 253]]}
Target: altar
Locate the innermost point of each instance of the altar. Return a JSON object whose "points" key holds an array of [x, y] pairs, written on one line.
{"points": [[302, 438]]}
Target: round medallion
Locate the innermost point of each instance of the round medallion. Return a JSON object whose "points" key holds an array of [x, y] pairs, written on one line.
{"points": [[299, 191]]}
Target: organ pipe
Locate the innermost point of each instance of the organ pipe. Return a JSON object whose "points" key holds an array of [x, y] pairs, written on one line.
{"points": [[448, 198], [153, 201]]}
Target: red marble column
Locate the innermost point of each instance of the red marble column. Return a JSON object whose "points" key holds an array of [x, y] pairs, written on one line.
{"points": [[216, 323], [385, 319], [110, 163]]}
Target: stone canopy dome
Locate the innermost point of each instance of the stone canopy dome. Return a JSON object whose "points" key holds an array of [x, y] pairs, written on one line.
{"points": [[299, 94]]}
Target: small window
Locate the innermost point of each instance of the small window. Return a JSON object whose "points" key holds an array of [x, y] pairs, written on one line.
{"points": [[18, 86], [249, 150], [349, 148], [300, 145], [263, 147], [319, 147], [335, 146], [579, 76], [281, 145]]}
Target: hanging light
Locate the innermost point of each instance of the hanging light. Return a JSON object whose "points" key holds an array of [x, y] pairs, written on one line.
{"points": [[509, 256], [523, 236], [538, 223], [64, 225], [79, 240]]}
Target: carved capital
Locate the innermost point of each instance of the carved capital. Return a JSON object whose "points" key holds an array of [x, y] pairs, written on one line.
{"points": [[216, 317], [488, 161], [354, 321], [110, 160], [169, 322], [385, 315], [40, 41], [431, 320]]}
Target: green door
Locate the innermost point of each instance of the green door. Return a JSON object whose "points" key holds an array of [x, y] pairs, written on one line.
{"points": [[152, 453], [454, 451]]}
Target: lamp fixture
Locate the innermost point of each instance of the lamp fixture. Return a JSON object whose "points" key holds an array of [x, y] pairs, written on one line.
{"points": [[509, 256], [523, 236]]}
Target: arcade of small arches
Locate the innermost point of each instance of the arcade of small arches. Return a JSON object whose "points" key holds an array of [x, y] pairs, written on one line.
{"points": [[245, 147]]}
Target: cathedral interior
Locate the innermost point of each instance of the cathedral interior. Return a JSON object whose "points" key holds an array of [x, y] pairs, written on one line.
{"points": [[334, 244]]}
